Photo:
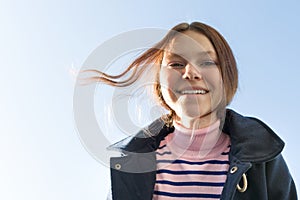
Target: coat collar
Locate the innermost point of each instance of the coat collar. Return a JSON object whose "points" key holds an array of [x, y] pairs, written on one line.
{"points": [[251, 139]]}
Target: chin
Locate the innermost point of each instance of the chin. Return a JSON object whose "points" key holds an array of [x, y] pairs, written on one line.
{"points": [[193, 114]]}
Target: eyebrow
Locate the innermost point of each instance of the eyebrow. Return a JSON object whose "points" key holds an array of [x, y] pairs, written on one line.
{"points": [[209, 53], [170, 54]]}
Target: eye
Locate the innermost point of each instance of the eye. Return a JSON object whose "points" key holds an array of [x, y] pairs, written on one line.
{"points": [[176, 65], [208, 63]]}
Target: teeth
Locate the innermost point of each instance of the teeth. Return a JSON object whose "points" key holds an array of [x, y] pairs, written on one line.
{"points": [[193, 92]]}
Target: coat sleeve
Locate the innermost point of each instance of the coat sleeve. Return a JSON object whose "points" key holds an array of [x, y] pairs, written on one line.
{"points": [[280, 184]]}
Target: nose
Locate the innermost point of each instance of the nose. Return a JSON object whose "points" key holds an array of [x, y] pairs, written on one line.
{"points": [[191, 73]]}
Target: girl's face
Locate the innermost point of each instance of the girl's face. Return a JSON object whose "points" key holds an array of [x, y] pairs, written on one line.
{"points": [[190, 80]]}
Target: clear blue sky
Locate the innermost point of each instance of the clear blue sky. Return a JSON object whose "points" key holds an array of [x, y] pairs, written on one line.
{"points": [[41, 42]]}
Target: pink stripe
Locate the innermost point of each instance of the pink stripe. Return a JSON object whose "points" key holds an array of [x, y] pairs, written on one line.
{"points": [[189, 189], [204, 178]]}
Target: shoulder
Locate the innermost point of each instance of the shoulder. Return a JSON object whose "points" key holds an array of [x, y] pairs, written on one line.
{"points": [[146, 140], [251, 139]]}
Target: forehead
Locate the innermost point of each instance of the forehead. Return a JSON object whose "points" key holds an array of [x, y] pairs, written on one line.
{"points": [[190, 43]]}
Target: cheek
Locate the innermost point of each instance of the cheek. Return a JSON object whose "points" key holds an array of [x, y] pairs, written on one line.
{"points": [[167, 79], [220, 86], [214, 80], [219, 94]]}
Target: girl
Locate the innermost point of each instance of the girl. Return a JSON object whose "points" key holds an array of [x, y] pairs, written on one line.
{"points": [[201, 149]]}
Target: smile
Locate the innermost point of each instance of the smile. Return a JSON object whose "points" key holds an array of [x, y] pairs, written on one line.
{"points": [[193, 92]]}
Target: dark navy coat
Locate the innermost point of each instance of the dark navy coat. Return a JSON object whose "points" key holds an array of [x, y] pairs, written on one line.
{"points": [[256, 163]]}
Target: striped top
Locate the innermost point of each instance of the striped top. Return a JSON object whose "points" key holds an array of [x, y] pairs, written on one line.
{"points": [[192, 164]]}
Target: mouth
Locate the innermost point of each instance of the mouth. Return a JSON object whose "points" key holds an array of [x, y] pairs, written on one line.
{"points": [[193, 91]]}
